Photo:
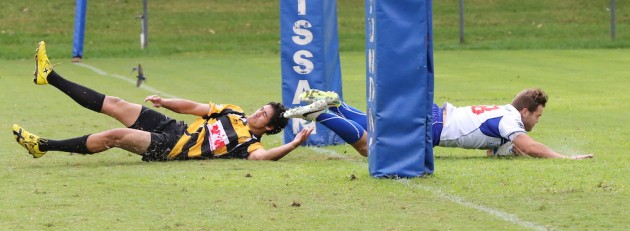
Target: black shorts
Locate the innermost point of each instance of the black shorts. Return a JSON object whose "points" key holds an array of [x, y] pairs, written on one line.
{"points": [[164, 133]]}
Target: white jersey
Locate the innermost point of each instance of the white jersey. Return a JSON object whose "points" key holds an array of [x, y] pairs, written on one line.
{"points": [[480, 127]]}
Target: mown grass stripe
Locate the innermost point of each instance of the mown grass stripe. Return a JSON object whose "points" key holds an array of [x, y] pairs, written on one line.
{"points": [[132, 81]]}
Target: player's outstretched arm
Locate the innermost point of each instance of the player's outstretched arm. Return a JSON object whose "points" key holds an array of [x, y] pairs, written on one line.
{"points": [[523, 143], [182, 106], [281, 151]]}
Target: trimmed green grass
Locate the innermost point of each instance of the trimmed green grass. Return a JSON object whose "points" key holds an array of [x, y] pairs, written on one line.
{"points": [[252, 27], [216, 50], [534, 24], [314, 188]]}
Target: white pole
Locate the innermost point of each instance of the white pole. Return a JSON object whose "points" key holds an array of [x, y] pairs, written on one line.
{"points": [[144, 25]]}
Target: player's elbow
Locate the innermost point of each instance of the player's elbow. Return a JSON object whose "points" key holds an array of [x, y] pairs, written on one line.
{"points": [[254, 157], [260, 155]]}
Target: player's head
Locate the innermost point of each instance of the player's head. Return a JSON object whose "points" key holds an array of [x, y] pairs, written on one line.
{"points": [[530, 103], [268, 119], [277, 121]]}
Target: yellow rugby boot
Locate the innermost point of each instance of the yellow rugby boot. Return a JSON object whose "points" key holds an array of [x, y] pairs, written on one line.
{"points": [[42, 65], [28, 141]]}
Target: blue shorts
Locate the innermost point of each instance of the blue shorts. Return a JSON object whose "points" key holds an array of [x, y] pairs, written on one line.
{"points": [[436, 125]]}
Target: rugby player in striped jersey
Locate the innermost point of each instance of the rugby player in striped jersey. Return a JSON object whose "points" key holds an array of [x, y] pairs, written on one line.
{"points": [[220, 130]]}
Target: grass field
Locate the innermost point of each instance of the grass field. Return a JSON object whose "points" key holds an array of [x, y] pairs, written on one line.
{"points": [[199, 47], [246, 27], [313, 188]]}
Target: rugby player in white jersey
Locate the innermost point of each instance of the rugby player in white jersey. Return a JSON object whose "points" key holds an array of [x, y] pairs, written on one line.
{"points": [[501, 130]]}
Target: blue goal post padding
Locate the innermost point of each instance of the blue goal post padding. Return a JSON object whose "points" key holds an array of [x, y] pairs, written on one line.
{"points": [[309, 60], [79, 28], [399, 82]]}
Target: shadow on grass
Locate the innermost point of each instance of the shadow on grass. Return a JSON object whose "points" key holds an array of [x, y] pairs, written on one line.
{"points": [[56, 164], [479, 157]]}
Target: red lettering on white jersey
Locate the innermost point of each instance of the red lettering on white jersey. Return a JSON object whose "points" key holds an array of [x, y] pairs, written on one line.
{"points": [[218, 138]]}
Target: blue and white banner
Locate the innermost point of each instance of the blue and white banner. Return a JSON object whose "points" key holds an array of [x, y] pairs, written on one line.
{"points": [[309, 60], [399, 81]]}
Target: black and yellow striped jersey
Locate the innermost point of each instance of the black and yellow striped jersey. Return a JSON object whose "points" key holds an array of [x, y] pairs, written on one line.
{"points": [[223, 133]]}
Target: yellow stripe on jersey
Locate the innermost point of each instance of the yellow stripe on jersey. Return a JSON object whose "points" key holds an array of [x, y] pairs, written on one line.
{"points": [[222, 134]]}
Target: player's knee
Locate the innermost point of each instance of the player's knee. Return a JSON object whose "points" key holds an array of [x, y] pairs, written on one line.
{"points": [[361, 145], [114, 101], [113, 106], [114, 137], [361, 148]]}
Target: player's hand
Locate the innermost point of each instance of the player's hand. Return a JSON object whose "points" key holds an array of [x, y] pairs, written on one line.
{"points": [[155, 99], [579, 157], [302, 136]]}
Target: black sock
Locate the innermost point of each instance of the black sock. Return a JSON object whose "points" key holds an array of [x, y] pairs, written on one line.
{"points": [[84, 96], [74, 145]]}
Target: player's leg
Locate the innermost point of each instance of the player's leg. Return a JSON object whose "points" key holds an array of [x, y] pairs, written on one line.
{"points": [[361, 145], [132, 140], [121, 110], [125, 112], [350, 131], [335, 105], [351, 113]]}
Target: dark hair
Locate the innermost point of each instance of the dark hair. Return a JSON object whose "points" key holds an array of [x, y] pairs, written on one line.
{"points": [[530, 99], [278, 122]]}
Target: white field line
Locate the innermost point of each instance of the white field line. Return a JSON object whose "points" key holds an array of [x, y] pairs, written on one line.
{"points": [[438, 192], [503, 215], [132, 81], [327, 152]]}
